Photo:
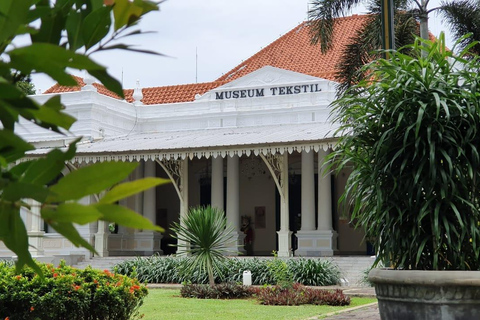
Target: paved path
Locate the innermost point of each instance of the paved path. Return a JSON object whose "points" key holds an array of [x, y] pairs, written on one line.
{"points": [[365, 312]]}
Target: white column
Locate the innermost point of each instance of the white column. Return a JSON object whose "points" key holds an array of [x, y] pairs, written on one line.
{"points": [[217, 183], [324, 195], [101, 239], [284, 235], [149, 241], [139, 171], [35, 235], [327, 237], [233, 201], [149, 199], [308, 191], [183, 189]]}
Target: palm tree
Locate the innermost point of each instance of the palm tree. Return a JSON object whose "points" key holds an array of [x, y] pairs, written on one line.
{"points": [[410, 19], [463, 17], [204, 235]]}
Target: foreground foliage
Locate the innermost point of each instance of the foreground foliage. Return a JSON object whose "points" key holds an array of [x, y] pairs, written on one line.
{"points": [[411, 134], [68, 293], [156, 269], [63, 34]]}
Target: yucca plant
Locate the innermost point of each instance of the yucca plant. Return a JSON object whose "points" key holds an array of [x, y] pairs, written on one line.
{"points": [[411, 133], [206, 238]]}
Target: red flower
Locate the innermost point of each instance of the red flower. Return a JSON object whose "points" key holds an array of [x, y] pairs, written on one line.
{"points": [[55, 275], [31, 309], [18, 278]]}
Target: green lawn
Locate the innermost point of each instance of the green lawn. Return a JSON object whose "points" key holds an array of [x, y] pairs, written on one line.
{"points": [[167, 304]]}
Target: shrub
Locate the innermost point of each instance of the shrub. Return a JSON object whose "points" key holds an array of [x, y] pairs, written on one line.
{"points": [[298, 294], [280, 271], [313, 272], [156, 269], [411, 134], [68, 293], [218, 291]]}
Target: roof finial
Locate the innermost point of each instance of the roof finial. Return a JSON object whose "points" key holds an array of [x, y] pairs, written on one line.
{"points": [[89, 80], [137, 95]]}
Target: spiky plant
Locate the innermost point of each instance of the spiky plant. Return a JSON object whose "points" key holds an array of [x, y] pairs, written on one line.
{"points": [[205, 237]]}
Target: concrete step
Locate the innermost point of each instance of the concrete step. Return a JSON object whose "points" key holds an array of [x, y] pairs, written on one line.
{"points": [[106, 263], [353, 268]]}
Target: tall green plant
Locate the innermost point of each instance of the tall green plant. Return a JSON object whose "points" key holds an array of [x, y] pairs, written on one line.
{"points": [[411, 133], [204, 234], [63, 34]]}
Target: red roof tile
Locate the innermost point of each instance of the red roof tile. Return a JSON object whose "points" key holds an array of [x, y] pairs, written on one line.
{"points": [[292, 51]]}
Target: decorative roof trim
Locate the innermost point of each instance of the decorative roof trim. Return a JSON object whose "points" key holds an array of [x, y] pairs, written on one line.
{"points": [[207, 153]]}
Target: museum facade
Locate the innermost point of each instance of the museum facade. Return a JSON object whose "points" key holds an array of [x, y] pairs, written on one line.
{"points": [[252, 143]]}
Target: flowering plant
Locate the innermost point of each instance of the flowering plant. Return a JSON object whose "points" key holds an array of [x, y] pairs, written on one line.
{"points": [[68, 293]]}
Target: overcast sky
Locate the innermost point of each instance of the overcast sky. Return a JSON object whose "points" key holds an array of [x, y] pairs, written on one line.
{"points": [[222, 32]]}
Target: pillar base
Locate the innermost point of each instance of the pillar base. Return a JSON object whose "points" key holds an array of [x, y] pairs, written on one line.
{"points": [[236, 247], [101, 244], [284, 243], [141, 243], [316, 243]]}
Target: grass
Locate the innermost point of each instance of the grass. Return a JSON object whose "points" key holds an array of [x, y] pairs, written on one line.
{"points": [[167, 304]]}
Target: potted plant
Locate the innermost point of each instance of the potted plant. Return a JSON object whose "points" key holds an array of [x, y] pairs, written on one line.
{"points": [[411, 133]]}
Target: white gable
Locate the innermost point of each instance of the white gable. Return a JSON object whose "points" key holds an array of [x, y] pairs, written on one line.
{"points": [[269, 81]]}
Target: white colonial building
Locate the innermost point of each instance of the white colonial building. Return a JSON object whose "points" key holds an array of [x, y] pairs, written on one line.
{"points": [[252, 143]]}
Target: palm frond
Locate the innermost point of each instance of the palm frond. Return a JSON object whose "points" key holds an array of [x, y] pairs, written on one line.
{"points": [[321, 18], [463, 17]]}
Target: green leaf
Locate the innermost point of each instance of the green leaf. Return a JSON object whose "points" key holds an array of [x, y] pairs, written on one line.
{"points": [[14, 235], [67, 230], [71, 212], [43, 171], [96, 26], [125, 13], [90, 180], [126, 217], [12, 147], [73, 25], [49, 115], [52, 60], [13, 14], [127, 189], [17, 190]]}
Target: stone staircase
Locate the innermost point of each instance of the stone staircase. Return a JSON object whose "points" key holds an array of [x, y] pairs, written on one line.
{"points": [[106, 263], [353, 269]]}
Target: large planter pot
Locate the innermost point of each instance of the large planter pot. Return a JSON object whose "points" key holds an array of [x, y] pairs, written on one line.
{"points": [[422, 295]]}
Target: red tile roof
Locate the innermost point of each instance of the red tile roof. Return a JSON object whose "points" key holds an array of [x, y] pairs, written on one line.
{"points": [[292, 51]]}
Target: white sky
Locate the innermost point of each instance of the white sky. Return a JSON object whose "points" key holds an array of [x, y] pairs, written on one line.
{"points": [[223, 32]]}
